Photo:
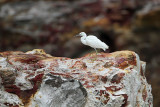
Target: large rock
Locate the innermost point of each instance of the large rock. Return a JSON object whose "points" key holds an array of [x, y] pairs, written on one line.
{"points": [[37, 79]]}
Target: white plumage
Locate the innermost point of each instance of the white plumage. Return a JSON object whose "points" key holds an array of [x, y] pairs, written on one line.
{"points": [[92, 41]]}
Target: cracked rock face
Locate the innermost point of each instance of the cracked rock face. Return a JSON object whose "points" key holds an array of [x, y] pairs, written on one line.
{"points": [[63, 92], [37, 79]]}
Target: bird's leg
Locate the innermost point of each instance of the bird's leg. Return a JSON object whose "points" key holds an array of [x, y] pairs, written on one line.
{"points": [[95, 50], [7, 61]]}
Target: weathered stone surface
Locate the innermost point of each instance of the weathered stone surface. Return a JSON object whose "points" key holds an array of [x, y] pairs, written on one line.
{"points": [[57, 91], [35, 78]]}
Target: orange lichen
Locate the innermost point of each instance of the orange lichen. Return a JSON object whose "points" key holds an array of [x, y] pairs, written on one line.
{"points": [[108, 64], [144, 93], [79, 65]]}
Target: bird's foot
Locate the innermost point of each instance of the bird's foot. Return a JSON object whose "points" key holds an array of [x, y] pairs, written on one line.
{"points": [[94, 56]]}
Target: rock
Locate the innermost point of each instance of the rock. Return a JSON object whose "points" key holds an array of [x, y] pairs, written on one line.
{"points": [[36, 79], [57, 91]]}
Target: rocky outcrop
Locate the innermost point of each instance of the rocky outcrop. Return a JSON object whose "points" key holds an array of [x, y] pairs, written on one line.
{"points": [[37, 79]]}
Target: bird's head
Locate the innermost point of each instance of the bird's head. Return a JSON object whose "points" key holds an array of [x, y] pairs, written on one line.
{"points": [[82, 34]]}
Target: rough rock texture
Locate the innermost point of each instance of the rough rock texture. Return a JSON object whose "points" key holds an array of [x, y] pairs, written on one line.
{"points": [[36, 79]]}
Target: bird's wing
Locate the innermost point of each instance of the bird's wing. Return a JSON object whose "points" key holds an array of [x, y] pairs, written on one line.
{"points": [[93, 41], [92, 38]]}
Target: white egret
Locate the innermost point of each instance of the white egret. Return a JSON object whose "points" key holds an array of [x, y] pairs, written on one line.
{"points": [[92, 41]]}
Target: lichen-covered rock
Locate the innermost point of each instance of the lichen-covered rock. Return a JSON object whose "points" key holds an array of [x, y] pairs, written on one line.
{"points": [[35, 78]]}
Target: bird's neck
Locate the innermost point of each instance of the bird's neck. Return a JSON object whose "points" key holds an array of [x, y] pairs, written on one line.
{"points": [[83, 39]]}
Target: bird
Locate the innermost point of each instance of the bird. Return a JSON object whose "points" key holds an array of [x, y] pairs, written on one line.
{"points": [[92, 41]]}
